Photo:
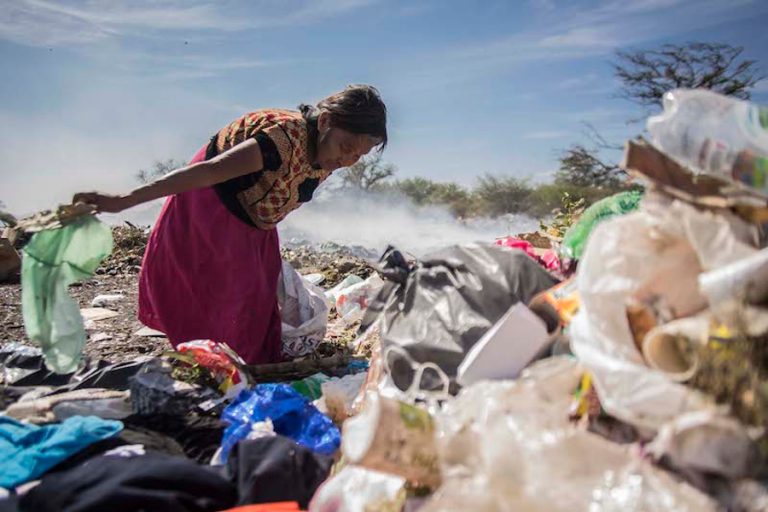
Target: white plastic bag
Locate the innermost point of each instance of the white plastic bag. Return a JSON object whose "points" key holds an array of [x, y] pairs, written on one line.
{"points": [[658, 251], [304, 313], [356, 297]]}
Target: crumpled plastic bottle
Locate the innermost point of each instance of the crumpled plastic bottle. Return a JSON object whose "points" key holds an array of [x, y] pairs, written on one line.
{"points": [[54, 259]]}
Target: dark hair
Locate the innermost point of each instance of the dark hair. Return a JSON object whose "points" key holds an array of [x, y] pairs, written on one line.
{"points": [[357, 109]]}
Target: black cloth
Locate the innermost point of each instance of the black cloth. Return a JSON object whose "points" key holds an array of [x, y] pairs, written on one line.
{"points": [[198, 436], [151, 441], [438, 308], [120, 484], [273, 469]]}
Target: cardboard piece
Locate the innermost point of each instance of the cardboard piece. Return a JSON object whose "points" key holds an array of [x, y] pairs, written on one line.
{"points": [[507, 347]]}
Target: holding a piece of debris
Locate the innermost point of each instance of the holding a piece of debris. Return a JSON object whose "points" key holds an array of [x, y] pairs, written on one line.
{"points": [[212, 264]]}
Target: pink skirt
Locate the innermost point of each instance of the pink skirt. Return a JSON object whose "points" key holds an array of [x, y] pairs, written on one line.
{"points": [[207, 274]]}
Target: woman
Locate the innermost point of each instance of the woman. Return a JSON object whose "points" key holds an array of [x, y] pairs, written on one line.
{"points": [[212, 263]]}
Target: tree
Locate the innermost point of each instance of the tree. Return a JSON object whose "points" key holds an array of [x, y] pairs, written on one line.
{"points": [[646, 75], [503, 194], [419, 190], [159, 168], [581, 167], [368, 173]]}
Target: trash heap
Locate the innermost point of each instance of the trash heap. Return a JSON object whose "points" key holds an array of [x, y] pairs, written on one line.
{"points": [[622, 367]]}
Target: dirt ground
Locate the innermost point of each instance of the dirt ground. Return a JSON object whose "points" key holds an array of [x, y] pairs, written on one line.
{"points": [[115, 339], [123, 344]]}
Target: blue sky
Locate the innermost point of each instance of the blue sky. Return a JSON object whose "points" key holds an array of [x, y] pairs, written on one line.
{"points": [[92, 91]]}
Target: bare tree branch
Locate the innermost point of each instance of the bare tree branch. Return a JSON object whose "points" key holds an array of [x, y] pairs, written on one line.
{"points": [[647, 74]]}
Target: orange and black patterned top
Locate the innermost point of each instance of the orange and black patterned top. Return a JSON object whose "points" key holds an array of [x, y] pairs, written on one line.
{"points": [[288, 179]]}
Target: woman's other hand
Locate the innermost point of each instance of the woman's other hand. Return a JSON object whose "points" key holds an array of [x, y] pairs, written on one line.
{"points": [[104, 203]]}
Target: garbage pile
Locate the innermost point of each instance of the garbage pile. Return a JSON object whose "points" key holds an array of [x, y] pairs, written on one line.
{"points": [[623, 368]]}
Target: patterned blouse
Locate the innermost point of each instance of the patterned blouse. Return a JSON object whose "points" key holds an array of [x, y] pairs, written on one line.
{"points": [[264, 197]]}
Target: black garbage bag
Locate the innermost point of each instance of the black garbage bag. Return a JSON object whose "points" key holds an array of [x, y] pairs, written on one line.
{"points": [[437, 308], [273, 469]]}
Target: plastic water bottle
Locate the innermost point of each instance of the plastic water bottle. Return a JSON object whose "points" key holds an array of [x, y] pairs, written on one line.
{"points": [[714, 134]]}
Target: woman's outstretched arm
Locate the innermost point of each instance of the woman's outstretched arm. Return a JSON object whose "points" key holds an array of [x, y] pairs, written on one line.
{"points": [[242, 159]]}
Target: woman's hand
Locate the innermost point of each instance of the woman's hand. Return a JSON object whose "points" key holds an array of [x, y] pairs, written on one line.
{"points": [[104, 203]]}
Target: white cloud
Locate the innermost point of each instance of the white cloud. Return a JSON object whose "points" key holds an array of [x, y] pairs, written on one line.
{"points": [[581, 37], [45, 23], [571, 32]]}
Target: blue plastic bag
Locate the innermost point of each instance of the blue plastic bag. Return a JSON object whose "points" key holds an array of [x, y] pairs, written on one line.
{"points": [[290, 412]]}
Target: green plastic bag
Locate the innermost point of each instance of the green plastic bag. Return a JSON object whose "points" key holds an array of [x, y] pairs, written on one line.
{"points": [[53, 260], [311, 387], [575, 239]]}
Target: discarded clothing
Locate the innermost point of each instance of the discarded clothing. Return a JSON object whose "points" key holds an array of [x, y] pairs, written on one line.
{"points": [[291, 413], [197, 436], [42, 409], [27, 451], [208, 275], [119, 484], [439, 308], [282, 506], [52, 261], [276, 469]]}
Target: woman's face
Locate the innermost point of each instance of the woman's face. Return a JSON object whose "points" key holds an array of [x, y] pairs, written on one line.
{"points": [[337, 148]]}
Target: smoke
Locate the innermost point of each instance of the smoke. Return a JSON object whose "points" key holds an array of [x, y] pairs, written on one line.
{"points": [[373, 221]]}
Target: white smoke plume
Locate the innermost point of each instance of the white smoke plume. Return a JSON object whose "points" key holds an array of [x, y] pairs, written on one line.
{"points": [[353, 217], [373, 221]]}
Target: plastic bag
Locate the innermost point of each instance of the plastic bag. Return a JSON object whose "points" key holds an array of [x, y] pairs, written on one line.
{"points": [[656, 253], [355, 489], [53, 260], [437, 310], [155, 391], [546, 463], [304, 313], [291, 413], [220, 361], [356, 297], [339, 395], [714, 134], [708, 443], [311, 387], [333, 294], [547, 259], [575, 239]]}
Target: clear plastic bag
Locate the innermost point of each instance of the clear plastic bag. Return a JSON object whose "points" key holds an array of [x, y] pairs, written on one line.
{"points": [[714, 134], [656, 253], [546, 463]]}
